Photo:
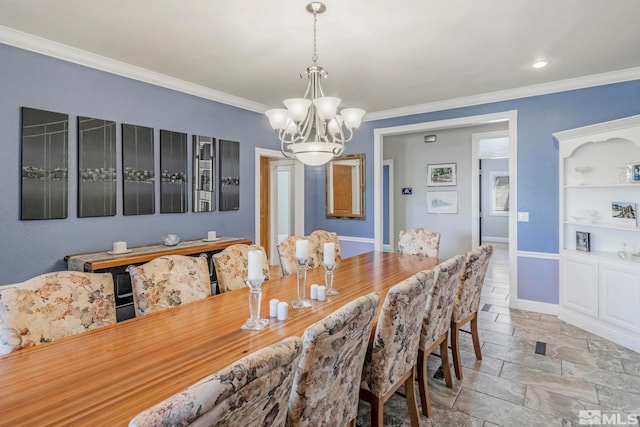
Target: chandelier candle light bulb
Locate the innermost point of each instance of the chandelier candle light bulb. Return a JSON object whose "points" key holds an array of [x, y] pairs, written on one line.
{"points": [[309, 128]]}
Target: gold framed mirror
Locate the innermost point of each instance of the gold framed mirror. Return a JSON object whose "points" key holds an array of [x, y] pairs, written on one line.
{"points": [[345, 187]]}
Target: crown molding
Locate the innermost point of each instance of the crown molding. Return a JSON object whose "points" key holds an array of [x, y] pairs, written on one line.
{"points": [[510, 94], [67, 53]]}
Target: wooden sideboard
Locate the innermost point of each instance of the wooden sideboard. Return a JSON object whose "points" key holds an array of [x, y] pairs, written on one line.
{"points": [[105, 262]]}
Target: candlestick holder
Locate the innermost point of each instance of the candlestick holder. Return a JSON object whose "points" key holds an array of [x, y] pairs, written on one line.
{"points": [[255, 323], [302, 301], [328, 279]]}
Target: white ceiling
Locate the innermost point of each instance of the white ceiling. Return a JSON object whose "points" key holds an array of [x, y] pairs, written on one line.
{"points": [[380, 54]]}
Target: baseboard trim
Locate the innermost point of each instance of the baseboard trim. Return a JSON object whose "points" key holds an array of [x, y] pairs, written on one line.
{"points": [[535, 306], [495, 239], [356, 239]]}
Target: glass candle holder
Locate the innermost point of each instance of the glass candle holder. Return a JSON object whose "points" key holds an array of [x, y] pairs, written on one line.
{"points": [[255, 323], [301, 301], [328, 279]]}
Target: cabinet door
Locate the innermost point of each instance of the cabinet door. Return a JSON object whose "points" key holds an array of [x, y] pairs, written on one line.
{"points": [[620, 295], [579, 284]]}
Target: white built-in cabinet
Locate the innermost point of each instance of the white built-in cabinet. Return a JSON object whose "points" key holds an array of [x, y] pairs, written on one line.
{"points": [[600, 289]]}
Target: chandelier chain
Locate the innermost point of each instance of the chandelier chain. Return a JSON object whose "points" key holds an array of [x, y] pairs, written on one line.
{"points": [[314, 58]]}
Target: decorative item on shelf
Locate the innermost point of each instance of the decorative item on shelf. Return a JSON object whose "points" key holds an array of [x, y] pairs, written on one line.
{"points": [[588, 216], [634, 172], [309, 128], [171, 240], [624, 174], [302, 259], [622, 253], [623, 213], [582, 170], [254, 280], [583, 241]]}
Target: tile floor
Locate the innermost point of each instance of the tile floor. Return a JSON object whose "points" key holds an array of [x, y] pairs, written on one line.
{"points": [[536, 371]]}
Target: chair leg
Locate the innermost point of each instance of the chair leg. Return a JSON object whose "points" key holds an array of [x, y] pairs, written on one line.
{"points": [[455, 349], [377, 412], [412, 403], [475, 336], [352, 423], [423, 385], [444, 356]]}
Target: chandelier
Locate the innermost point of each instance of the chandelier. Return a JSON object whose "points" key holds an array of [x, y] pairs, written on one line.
{"points": [[309, 128]]}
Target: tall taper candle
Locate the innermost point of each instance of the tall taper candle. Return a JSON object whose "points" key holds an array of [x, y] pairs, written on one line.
{"points": [[255, 265]]}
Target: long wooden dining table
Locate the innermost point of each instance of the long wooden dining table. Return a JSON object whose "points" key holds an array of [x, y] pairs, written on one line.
{"points": [[106, 376]]}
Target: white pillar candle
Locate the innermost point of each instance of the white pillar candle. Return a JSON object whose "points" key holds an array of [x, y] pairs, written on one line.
{"points": [[119, 247], [329, 253], [322, 293], [255, 265], [283, 308], [211, 235], [302, 249], [314, 291], [273, 307]]}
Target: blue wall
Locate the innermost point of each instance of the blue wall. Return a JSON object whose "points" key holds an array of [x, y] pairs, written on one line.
{"points": [[32, 80]]}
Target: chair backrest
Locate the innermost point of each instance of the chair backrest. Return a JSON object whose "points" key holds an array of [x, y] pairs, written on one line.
{"points": [[418, 241], [316, 245], [54, 305], [287, 254], [394, 349], [467, 297], [326, 386], [252, 391], [231, 266], [440, 303], [169, 281]]}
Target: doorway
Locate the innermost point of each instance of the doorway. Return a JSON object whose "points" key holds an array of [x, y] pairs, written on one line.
{"points": [[279, 200]]}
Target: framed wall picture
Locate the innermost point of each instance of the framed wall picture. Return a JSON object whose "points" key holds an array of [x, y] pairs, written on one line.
{"points": [[635, 172], [623, 213], [407, 191], [442, 202], [138, 170], [204, 173], [45, 149], [96, 167], [441, 174], [229, 181], [583, 241], [173, 172]]}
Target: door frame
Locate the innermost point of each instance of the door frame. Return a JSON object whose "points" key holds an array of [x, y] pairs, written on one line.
{"points": [[298, 192], [511, 117], [392, 246]]}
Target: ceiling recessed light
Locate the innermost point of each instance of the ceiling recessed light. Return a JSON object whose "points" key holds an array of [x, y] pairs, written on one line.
{"points": [[540, 63]]}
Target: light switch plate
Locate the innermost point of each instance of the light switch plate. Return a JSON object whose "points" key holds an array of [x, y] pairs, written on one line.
{"points": [[523, 216]]}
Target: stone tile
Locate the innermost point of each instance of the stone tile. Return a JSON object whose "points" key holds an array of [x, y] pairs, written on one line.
{"points": [[493, 386], [570, 387], [556, 404], [619, 400], [499, 309], [559, 340], [603, 377], [519, 321], [631, 368], [582, 357], [523, 358], [488, 364], [487, 315], [612, 349], [574, 331], [488, 424], [494, 301], [494, 326], [501, 291], [501, 412]]}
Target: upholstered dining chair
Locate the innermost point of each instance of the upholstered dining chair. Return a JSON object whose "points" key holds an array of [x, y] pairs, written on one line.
{"points": [[435, 326], [287, 254], [169, 281], [52, 306], [393, 352], [251, 392], [231, 266], [418, 241], [326, 384], [318, 239], [467, 301]]}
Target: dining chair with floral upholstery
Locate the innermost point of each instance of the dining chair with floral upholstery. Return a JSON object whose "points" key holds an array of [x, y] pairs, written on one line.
{"points": [[327, 382], [418, 241], [52, 306], [169, 281], [253, 391], [287, 254], [393, 352], [467, 301], [318, 238], [436, 323], [231, 266]]}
